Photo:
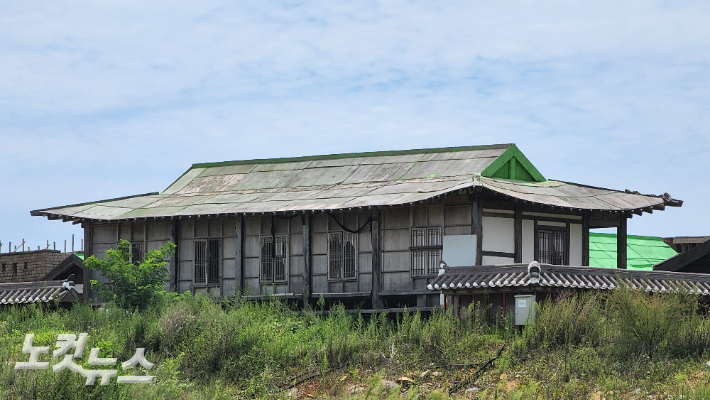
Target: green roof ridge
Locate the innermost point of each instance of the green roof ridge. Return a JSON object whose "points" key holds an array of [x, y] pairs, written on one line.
{"points": [[353, 155]]}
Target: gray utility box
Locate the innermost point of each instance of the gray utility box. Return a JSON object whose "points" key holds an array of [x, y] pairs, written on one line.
{"points": [[524, 309]]}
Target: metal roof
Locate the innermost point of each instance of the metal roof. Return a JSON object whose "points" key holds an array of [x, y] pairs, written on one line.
{"points": [[34, 292], [347, 181], [642, 252], [517, 276]]}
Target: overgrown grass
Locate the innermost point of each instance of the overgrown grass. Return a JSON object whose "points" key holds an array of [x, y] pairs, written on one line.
{"points": [[620, 344]]}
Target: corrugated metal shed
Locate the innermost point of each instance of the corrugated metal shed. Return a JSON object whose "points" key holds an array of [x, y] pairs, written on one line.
{"points": [[642, 251], [34, 292], [346, 181], [516, 276]]}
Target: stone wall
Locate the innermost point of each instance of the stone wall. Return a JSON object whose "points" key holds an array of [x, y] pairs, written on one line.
{"points": [[28, 266]]}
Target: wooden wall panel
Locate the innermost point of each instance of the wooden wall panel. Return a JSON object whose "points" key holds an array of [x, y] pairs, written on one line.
{"points": [[396, 218], [105, 234], [252, 246], [158, 230], [396, 262], [187, 227], [251, 268], [229, 268], [252, 226], [320, 265], [320, 284], [229, 287], [202, 228], [396, 239], [185, 273], [399, 281], [364, 263], [364, 281]]}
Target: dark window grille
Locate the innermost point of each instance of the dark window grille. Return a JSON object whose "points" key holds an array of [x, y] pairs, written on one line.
{"points": [[213, 261], [273, 259], [206, 261], [136, 253], [552, 246], [426, 250], [342, 255]]}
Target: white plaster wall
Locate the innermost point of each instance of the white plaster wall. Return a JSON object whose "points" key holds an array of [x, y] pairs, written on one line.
{"points": [[528, 241], [492, 260], [498, 234], [575, 244]]}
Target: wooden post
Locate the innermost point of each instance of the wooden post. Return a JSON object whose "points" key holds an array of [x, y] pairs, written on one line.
{"points": [[307, 273], [88, 273], [477, 227], [621, 243], [376, 260], [175, 263], [240, 254], [585, 239], [518, 233]]}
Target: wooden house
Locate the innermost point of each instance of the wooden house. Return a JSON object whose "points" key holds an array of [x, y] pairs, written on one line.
{"points": [[365, 229]]}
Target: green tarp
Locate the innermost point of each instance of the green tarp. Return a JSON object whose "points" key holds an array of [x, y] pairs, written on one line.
{"points": [[641, 254]]}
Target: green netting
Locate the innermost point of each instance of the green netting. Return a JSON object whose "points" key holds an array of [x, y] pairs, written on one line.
{"points": [[642, 252]]}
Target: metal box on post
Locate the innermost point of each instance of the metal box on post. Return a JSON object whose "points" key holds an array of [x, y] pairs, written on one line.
{"points": [[524, 309]]}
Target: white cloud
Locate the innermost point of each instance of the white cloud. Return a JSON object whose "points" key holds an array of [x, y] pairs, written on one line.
{"points": [[106, 99]]}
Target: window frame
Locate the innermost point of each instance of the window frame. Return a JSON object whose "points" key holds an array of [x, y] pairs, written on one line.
{"points": [[263, 239], [552, 228], [341, 257], [427, 270], [209, 281], [137, 245]]}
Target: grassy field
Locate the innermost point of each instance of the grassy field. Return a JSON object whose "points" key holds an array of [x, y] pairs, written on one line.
{"points": [[620, 345]]}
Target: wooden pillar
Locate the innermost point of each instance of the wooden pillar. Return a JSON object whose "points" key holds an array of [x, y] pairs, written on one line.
{"points": [[621, 243], [376, 260], [88, 250], [307, 274], [240, 249], [175, 262], [477, 226], [518, 233], [585, 238]]}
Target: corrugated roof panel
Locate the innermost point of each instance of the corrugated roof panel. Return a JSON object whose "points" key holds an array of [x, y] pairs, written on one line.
{"points": [[322, 176], [186, 178], [379, 173], [228, 170]]}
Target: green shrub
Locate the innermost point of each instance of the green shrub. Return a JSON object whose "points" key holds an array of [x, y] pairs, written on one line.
{"points": [[132, 286]]}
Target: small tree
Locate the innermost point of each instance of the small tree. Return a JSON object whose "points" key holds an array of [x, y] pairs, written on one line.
{"points": [[129, 285]]}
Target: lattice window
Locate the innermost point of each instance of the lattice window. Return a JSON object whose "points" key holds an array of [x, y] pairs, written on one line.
{"points": [[137, 253], [207, 261], [426, 250], [552, 246], [274, 259], [342, 255]]}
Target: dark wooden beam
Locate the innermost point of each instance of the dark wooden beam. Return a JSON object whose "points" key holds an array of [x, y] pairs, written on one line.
{"points": [[175, 262], [518, 233], [621, 243], [307, 272], [240, 260], [376, 260], [477, 226], [88, 252], [585, 239]]}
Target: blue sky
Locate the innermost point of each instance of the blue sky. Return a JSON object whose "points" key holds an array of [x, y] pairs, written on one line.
{"points": [[108, 99]]}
